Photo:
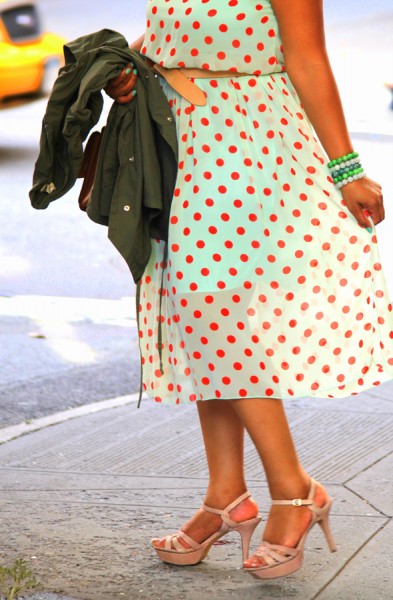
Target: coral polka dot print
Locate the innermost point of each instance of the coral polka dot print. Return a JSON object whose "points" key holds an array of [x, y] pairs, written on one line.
{"points": [[270, 287], [235, 35]]}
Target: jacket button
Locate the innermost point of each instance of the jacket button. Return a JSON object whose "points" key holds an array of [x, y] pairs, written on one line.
{"points": [[126, 208], [169, 119], [132, 158]]}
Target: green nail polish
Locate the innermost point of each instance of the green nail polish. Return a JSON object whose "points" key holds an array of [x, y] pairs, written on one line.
{"points": [[135, 72], [133, 93], [128, 71], [369, 229]]}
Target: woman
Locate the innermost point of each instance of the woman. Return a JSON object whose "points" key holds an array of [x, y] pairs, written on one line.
{"points": [[273, 287]]}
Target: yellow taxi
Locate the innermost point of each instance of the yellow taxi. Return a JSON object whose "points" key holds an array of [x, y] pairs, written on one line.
{"points": [[29, 58]]}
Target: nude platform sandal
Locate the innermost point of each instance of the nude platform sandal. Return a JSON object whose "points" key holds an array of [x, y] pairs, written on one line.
{"points": [[282, 560], [176, 554]]}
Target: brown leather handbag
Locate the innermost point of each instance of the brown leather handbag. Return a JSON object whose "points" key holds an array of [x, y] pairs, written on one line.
{"points": [[89, 167]]}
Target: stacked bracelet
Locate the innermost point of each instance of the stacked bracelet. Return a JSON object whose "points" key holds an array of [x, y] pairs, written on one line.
{"points": [[346, 169]]}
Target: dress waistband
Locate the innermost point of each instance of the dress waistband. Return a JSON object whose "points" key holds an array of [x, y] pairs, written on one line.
{"points": [[179, 80]]}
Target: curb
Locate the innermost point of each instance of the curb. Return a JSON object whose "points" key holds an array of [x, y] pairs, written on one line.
{"points": [[46, 596], [14, 431]]}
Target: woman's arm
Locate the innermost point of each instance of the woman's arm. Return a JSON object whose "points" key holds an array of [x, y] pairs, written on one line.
{"points": [[121, 88], [308, 67], [137, 45]]}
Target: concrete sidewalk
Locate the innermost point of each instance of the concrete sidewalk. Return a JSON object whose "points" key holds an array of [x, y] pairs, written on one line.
{"points": [[80, 501]]}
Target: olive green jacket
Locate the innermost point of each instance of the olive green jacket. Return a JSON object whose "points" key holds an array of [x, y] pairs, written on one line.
{"points": [[137, 164]]}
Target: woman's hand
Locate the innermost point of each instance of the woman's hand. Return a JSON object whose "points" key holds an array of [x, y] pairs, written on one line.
{"points": [[121, 88], [364, 198]]}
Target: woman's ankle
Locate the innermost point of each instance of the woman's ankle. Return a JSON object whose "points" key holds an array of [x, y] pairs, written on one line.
{"points": [[291, 490], [220, 496], [247, 509], [297, 486]]}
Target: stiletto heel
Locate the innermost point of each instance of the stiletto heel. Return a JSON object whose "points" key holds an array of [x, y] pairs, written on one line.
{"points": [[283, 560], [176, 554], [324, 525], [246, 529]]}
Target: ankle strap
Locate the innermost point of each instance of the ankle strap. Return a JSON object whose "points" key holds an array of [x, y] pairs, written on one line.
{"points": [[299, 501], [226, 510], [294, 502]]}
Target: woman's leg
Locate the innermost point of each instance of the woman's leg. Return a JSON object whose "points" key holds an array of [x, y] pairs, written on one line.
{"points": [[267, 425], [223, 435]]}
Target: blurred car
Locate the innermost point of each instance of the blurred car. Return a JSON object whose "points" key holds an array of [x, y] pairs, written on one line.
{"points": [[29, 58]]}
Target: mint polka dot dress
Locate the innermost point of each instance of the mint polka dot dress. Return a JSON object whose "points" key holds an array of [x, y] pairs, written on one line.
{"points": [[271, 288]]}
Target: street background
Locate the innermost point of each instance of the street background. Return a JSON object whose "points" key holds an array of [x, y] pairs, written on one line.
{"points": [[81, 499]]}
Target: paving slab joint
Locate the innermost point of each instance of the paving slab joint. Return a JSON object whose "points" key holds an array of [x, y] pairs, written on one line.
{"points": [[347, 485], [350, 559]]}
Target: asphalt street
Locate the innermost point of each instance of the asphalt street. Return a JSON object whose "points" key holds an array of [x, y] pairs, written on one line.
{"points": [[67, 314]]}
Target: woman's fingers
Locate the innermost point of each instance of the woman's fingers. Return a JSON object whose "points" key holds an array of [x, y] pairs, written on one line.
{"points": [[374, 207], [127, 82], [126, 97], [121, 88], [376, 212], [364, 200]]}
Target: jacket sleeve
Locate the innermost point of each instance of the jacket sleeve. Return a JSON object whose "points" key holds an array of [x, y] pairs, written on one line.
{"points": [[73, 109]]}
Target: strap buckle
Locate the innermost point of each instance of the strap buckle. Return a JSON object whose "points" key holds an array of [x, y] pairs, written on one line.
{"points": [[297, 502]]}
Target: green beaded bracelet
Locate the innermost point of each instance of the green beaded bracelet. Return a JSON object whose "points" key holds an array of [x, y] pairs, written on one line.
{"points": [[346, 169], [346, 157], [349, 173], [336, 172]]}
